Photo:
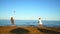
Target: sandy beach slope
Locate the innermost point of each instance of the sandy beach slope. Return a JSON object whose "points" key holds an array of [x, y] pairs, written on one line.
{"points": [[28, 30]]}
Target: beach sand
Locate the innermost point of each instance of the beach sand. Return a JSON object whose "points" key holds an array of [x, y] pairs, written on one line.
{"points": [[28, 30]]}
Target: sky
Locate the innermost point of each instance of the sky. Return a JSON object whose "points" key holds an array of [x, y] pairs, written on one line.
{"points": [[30, 9]]}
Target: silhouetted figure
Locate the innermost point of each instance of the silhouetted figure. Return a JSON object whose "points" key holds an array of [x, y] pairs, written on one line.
{"points": [[12, 21], [40, 23]]}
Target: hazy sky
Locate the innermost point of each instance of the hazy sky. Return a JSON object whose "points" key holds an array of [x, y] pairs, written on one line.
{"points": [[30, 9]]}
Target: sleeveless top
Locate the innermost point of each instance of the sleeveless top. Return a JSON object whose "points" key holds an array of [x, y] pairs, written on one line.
{"points": [[40, 22]]}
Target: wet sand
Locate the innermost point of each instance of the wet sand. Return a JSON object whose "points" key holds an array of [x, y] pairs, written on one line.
{"points": [[28, 30]]}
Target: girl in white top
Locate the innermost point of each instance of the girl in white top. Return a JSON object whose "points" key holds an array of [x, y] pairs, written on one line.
{"points": [[40, 22]]}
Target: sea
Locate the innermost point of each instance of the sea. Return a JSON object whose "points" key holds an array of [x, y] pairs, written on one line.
{"points": [[46, 23]]}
